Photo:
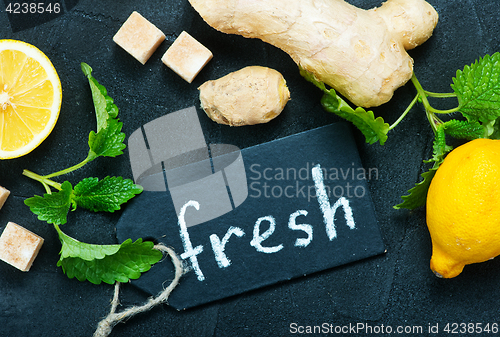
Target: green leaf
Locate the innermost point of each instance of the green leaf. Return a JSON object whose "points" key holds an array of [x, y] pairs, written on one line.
{"points": [[418, 194], [54, 207], [374, 129], [103, 104], [108, 142], [105, 195], [440, 148], [478, 89], [74, 248], [464, 129], [106, 263]]}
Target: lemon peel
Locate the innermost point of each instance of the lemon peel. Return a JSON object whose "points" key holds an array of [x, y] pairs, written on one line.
{"points": [[463, 210]]}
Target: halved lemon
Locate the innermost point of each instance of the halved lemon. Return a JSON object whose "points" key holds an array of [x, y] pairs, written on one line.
{"points": [[30, 98]]}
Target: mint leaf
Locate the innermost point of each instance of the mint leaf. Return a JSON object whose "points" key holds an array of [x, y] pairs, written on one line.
{"points": [[105, 195], [74, 248], [106, 263], [103, 104], [418, 194], [54, 207], [478, 89], [440, 149], [108, 142], [374, 129], [464, 129]]}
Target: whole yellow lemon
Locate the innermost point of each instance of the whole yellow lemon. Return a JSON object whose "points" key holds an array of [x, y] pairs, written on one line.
{"points": [[463, 207]]}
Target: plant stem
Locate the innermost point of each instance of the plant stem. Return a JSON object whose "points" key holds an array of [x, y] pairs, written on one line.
{"points": [[72, 168], [425, 102], [43, 179], [440, 95], [413, 102], [449, 111]]}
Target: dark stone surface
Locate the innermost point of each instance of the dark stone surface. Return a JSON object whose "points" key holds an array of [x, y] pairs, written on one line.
{"points": [[394, 289]]}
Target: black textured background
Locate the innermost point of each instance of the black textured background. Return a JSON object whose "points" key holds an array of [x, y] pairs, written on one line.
{"points": [[396, 289]]}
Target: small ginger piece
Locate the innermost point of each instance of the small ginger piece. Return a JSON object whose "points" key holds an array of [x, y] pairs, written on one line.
{"points": [[249, 96], [4, 194], [360, 53], [139, 37], [186, 57], [19, 246]]}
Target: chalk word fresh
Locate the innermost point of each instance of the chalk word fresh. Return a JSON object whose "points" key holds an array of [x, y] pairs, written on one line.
{"points": [[218, 245]]}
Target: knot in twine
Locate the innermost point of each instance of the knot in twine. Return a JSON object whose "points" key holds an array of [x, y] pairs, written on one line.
{"points": [[107, 324]]}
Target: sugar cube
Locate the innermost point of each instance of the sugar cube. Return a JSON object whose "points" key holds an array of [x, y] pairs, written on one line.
{"points": [[186, 56], [19, 246], [4, 193], [139, 37]]}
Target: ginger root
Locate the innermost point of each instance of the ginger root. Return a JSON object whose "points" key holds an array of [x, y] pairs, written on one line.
{"points": [[248, 96], [360, 53]]}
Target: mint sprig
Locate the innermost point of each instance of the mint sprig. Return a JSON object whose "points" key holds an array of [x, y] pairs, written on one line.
{"points": [[108, 140], [477, 89], [95, 263]]}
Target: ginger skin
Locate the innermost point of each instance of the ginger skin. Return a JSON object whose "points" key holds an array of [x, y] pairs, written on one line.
{"points": [[249, 96], [360, 53]]}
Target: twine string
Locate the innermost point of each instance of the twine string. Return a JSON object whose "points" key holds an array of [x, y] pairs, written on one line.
{"points": [[105, 326]]}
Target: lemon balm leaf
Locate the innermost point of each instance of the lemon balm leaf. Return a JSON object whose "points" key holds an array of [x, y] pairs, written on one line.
{"points": [[103, 104], [478, 89], [106, 263], [418, 194], [106, 195], [439, 147], [97, 97], [374, 129], [54, 207], [74, 248], [464, 129], [108, 142]]}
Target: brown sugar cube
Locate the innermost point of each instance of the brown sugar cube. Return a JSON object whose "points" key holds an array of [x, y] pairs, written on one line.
{"points": [[139, 37], [186, 57], [4, 193], [19, 247]]}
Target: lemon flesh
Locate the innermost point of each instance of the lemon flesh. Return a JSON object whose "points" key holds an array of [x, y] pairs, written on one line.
{"points": [[30, 98]]}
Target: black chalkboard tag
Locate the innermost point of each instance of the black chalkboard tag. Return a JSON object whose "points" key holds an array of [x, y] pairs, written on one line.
{"points": [[305, 208]]}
